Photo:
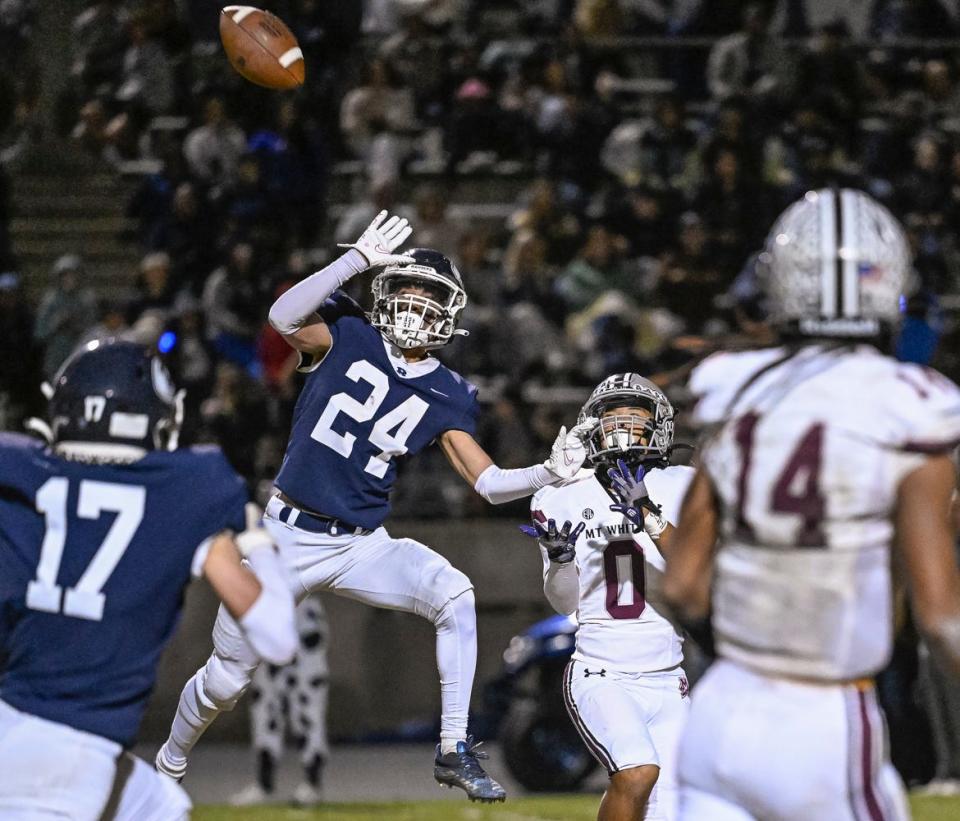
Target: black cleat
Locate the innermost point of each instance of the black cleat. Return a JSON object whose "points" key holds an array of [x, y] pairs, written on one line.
{"points": [[462, 769]]}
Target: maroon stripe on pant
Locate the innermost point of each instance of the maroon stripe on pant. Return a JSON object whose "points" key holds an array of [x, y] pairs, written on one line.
{"points": [[601, 753], [866, 762]]}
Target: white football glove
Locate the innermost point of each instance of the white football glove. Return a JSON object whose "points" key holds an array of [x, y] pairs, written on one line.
{"points": [[381, 239], [569, 450]]}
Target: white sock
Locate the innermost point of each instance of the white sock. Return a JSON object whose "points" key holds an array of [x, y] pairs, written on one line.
{"points": [[457, 661], [194, 714]]}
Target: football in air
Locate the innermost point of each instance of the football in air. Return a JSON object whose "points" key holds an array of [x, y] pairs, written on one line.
{"points": [[261, 47]]}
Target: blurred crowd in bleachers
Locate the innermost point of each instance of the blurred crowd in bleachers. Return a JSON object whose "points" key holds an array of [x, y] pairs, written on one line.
{"points": [[602, 171]]}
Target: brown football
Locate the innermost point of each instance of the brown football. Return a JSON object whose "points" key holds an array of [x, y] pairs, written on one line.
{"points": [[261, 47]]}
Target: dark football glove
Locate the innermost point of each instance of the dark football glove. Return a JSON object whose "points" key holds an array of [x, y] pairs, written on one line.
{"points": [[559, 544], [634, 500]]}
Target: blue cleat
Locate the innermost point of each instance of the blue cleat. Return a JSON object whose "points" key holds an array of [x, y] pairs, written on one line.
{"points": [[462, 769]]}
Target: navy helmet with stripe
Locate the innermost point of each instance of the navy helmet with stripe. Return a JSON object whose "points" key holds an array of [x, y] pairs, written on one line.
{"points": [[115, 392], [836, 264]]}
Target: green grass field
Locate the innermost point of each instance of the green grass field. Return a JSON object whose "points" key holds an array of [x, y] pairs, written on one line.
{"points": [[561, 808]]}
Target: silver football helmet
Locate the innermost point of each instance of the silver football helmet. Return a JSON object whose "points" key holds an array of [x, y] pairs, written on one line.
{"points": [[835, 264], [630, 436], [418, 304]]}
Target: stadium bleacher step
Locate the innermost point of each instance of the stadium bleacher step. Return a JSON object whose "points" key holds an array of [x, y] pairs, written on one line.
{"points": [[79, 210]]}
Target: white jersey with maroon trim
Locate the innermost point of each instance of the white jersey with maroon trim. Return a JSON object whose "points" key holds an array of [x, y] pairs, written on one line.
{"points": [[807, 449], [621, 624]]}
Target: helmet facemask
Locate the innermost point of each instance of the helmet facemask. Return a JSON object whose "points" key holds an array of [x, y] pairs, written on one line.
{"points": [[635, 423], [414, 307]]}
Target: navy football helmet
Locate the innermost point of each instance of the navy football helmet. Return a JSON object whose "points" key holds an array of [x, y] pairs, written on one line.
{"points": [[418, 304], [115, 392]]}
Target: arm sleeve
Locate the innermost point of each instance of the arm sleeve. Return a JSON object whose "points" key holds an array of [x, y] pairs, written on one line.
{"points": [[498, 486], [269, 624], [293, 306], [560, 585]]}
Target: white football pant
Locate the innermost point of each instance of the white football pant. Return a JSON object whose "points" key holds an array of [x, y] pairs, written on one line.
{"points": [[396, 574], [758, 748], [52, 771], [631, 720]]}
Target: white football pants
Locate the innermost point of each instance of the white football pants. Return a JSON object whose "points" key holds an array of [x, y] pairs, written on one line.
{"points": [[396, 574], [50, 771], [758, 748], [631, 720]]}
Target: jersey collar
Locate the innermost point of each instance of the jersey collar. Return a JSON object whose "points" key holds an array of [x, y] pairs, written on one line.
{"points": [[409, 370]]}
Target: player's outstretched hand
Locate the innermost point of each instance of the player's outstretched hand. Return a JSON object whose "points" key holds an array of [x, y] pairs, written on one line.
{"points": [[382, 237], [569, 450], [628, 486], [559, 544]]}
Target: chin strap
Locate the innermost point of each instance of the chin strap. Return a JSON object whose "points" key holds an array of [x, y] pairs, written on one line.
{"points": [[460, 332]]}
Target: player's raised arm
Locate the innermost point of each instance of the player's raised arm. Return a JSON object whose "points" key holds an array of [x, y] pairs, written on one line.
{"points": [[498, 485], [258, 597], [294, 314], [558, 548], [686, 584], [925, 544]]}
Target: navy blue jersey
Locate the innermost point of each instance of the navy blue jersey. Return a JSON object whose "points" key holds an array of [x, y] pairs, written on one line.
{"points": [[94, 559], [360, 408]]}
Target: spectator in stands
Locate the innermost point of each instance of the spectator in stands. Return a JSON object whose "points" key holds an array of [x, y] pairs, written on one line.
{"points": [[147, 79], [927, 251], [746, 63], [278, 360], [249, 204], [528, 277], [940, 89], [99, 40], [599, 18], [190, 356], [806, 153], [213, 150], [598, 267], [20, 374], [419, 58], [113, 322], [382, 105], [480, 276], [728, 203], [380, 196], [690, 279], [733, 131], [293, 158], [890, 19], [17, 21], [434, 228], [233, 301], [186, 237], [503, 427], [832, 67], [156, 289], [546, 216], [668, 159], [476, 123], [642, 215], [235, 415], [66, 310], [924, 188]]}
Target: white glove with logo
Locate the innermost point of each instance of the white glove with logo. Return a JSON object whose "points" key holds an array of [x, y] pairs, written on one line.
{"points": [[569, 450], [381, 239]]}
